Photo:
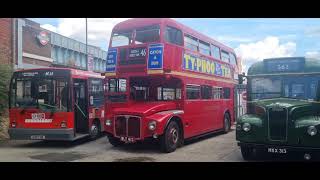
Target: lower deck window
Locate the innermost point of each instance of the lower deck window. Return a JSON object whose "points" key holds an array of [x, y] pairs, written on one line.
{"points": [[168, 93], [226, 93], [193, 92]]}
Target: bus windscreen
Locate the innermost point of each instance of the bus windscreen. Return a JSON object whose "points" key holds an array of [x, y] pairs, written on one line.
{"points": [[47, 94]]}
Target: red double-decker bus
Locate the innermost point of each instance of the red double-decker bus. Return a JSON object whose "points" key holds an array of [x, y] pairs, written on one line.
{"points": [[168, 82], [56, 104]]}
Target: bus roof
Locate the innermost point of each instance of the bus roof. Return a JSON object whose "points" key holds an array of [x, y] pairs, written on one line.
{"points": [[140, 22], [285, 65]]}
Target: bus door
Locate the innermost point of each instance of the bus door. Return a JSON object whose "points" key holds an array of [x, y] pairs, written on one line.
{"points": [[240, 99], [80, 106]]}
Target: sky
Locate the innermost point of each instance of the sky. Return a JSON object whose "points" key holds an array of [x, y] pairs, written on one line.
{"points": [[252, 38]]}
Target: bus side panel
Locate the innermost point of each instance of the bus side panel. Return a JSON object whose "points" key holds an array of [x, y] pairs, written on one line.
{"points": [[172, 57]]}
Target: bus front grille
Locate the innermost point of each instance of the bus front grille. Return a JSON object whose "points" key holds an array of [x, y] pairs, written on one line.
{"points": [[129, 126], [277, 124]]}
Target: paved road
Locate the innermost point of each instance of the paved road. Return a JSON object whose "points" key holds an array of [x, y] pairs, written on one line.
{"points": [[217, 147]]}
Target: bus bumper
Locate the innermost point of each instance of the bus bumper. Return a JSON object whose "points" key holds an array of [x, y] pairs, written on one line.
{"points": [[41, 134], [284, 150]]}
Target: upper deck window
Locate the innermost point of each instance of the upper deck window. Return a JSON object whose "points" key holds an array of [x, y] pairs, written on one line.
{"points": [[147, 34], [225, 56], [204, 48], [191, 42], [121, 39], [173, 35], [215, 52], [233, 60]]}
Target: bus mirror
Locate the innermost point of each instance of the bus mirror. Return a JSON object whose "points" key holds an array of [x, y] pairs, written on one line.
{"points": [[241, 78]]}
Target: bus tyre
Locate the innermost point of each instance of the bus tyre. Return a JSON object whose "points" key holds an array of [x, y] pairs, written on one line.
{"points": [[114, 141], [226, 123], [171, 138], [95, 130], [247, 153]]}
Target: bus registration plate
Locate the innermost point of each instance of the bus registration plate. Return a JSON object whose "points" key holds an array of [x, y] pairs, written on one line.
{"points": [[127, 139], [37, 137], [277, 150]]}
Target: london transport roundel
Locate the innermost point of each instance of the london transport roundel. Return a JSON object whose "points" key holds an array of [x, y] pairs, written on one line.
{"points": [[43, 38]]}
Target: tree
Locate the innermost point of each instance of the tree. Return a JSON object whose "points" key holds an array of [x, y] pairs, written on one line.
{"points": [[5, 75]]}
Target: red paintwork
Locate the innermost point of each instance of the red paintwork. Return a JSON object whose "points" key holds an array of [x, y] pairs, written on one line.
{"points": [[57, 117], [200, 116]]}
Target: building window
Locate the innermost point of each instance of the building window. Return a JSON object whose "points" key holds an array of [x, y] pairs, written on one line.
{"points": [[97, 64], [191, 42], [225, 56], [77, 58], [193, 92], [100, 65], [65, 56], [206, 92], [84, 61], [173, 35], [104, 66], [60, 54], [53, 53], [204, 48], [215, 52]]}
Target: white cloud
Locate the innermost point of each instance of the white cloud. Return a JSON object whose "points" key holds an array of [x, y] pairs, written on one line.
{"points": [[269, 47], [49, 27], [313, 54], [227, 39], [99, 29]]}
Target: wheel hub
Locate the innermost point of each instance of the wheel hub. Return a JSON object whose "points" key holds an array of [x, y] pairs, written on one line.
{"points": [[94, 129], [174, 135]]}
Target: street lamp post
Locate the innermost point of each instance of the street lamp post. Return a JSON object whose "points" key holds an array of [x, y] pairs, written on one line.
{"points": [[87, 42]]}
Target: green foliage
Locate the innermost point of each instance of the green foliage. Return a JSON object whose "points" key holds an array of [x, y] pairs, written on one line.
{"points": [[5, 75]]}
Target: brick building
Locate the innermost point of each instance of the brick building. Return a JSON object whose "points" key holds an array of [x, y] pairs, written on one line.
{"points": [[6, 41], [24, 44]]}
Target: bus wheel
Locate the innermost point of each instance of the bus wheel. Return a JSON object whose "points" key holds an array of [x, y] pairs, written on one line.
{"points": [[171, 138], [226, 123], [247, 153], [114, 141], [95, 130]]}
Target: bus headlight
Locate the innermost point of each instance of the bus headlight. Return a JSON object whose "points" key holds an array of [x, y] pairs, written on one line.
{"points": [[312, 130], [246, 127], [238, 126], [152, 125], [108, 122]]}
